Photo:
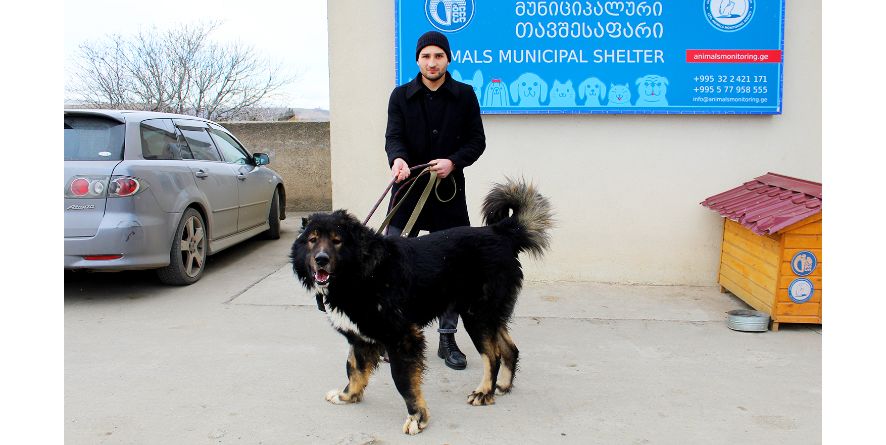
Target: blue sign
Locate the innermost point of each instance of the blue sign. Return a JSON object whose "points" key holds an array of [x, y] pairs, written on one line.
{"points": [[801, 290], [803, 263], [641, 57]]}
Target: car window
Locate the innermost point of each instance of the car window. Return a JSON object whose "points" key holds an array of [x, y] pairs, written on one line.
{"points": [[232, 151], [160, 140], [200, 143], [93, 138]]}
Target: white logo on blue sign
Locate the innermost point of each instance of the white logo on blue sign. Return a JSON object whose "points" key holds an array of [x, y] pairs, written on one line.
{"points": [[449, 15], [803, 263], [801, 290], [729, 15]]}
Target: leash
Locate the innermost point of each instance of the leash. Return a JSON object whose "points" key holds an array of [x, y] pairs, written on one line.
{"points": [[433, 182]]}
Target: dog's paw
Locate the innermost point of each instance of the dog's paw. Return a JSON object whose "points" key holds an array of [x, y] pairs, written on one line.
{"points": [[481, 399], [337, 398], [415, 423]]}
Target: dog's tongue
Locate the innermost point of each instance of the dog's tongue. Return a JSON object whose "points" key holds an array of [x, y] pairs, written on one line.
{"points": [[321, 276]]}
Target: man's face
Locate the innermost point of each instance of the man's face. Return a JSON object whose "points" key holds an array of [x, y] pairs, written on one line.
{"points": [[432, 62]]}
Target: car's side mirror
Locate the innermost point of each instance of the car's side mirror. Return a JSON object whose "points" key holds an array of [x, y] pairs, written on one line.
{"points": [[261, 159]]}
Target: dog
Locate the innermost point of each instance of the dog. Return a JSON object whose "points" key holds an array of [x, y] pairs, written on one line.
{"points": [[379, 292], [475, 82], [562, 94], [529, 90], [496, 94], [594, 89], [652, 91]]}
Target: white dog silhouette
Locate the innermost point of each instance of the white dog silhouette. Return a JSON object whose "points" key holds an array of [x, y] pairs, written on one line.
{"points": [[594, 89], [476, 83], [529, 90], [496, 94], [651, 91]]}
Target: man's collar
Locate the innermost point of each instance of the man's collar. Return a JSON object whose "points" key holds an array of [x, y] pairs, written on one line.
{"points": [[416, 85]]}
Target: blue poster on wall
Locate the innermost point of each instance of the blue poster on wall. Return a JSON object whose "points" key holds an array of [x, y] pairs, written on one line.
{"points": [[641, 57]]}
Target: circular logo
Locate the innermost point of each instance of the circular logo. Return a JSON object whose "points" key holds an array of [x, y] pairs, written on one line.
{"points": [[803, 263], [801, 290], [729, 15], [449, 15]]}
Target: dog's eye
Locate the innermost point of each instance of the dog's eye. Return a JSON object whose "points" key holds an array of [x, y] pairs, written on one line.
{"points": [[312, 239], [336, 241]]}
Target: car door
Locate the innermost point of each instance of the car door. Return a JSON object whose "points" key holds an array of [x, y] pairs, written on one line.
{"points": [[214, 177], [255, 183]]}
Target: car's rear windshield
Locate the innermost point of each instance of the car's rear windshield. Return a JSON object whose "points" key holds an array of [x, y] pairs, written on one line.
{"points": [[93, 138]]}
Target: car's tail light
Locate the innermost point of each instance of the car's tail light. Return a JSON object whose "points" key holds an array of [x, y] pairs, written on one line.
{"points": [[122, 186], [102, 257], [103, 186], [87, 187]]}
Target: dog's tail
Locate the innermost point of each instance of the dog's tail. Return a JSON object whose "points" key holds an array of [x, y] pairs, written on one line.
{"points": [[532, 216]]}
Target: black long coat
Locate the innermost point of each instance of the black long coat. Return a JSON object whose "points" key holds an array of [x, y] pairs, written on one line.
{"points": [[458, 136]]}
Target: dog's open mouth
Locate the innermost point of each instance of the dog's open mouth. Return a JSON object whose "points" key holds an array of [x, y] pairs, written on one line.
{"points": [[321, 277]]}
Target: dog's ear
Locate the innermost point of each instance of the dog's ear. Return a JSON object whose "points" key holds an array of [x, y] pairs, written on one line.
{"points": [[602, 92], [544, 89], [298, 256], [486, 95], [581, 88], [478, 78], [515, 90], [369, 245]]}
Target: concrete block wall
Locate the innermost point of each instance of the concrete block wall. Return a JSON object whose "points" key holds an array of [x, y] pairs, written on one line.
{"points": [[299, 152]]}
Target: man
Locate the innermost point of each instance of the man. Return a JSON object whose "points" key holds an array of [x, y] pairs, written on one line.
{"points": [[434, 119]]}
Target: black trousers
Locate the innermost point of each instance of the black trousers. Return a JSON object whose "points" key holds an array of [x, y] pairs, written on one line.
{"points": [[447, 323]]}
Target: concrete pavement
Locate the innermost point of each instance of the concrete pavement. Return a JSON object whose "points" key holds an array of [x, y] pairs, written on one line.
{"points": [[243, 356]]}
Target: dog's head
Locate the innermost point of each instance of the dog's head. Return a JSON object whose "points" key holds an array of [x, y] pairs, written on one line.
{"points": [[652, 88], [529, 88], [476, 82], [331, 245], [592, 88]]}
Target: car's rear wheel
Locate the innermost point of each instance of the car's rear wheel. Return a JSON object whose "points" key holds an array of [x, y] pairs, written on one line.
{"points": [[274, 217], [187, 256]]}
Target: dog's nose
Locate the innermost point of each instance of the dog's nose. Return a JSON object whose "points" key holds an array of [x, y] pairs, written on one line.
{"points": [[322, 259]]}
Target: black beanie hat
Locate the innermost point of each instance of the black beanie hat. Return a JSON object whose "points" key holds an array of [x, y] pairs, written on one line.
{"points": [[433, 38]]}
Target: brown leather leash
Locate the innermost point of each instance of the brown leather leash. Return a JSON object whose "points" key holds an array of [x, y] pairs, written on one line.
{"points": [[433, 182]]}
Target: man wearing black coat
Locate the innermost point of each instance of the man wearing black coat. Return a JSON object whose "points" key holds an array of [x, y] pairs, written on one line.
{"points": [[434, 119]]}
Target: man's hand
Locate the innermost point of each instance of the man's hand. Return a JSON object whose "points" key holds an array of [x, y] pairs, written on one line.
{"points": [[443, 167], [400, 169]]}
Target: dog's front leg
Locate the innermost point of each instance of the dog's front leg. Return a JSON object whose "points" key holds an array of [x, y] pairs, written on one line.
{"points": [[407, 366], [362, 360]]}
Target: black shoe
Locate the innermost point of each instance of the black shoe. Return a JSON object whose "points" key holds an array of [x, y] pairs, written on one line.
{"points": [[450, 353]]}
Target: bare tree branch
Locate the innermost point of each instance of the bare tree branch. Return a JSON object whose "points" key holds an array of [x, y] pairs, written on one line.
{"points": [[178, 71]]}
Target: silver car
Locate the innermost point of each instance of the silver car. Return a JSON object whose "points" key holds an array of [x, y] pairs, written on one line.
{"points": [[146, 190]]}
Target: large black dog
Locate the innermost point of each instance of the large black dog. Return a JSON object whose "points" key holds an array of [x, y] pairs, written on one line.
{"points": [[380, 292]]}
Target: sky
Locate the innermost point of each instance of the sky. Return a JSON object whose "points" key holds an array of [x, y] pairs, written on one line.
{"points": [[291, 33]]}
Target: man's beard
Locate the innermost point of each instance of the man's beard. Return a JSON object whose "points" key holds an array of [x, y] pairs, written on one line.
{"points": [[432, 79]]}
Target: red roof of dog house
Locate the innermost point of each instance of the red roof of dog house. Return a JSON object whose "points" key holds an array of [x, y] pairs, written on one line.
{"points": [[768, 203]]}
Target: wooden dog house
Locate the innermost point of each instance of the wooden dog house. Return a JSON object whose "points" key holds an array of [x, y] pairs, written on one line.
{"points": [[771, 256]]}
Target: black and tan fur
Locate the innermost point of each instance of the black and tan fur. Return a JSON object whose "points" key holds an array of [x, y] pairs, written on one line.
{"points": [[379, 292]]}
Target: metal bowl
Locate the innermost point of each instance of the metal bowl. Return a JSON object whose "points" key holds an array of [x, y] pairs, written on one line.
{"points": [[747, 320]]}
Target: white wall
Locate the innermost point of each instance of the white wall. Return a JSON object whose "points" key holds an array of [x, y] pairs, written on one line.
{"points": [[625, 188]]}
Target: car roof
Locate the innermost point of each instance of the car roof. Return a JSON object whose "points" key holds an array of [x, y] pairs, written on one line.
{"points": [[132, 115]]}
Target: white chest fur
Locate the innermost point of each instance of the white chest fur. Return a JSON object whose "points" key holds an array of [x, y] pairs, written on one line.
{"points": [[341, 322]]}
